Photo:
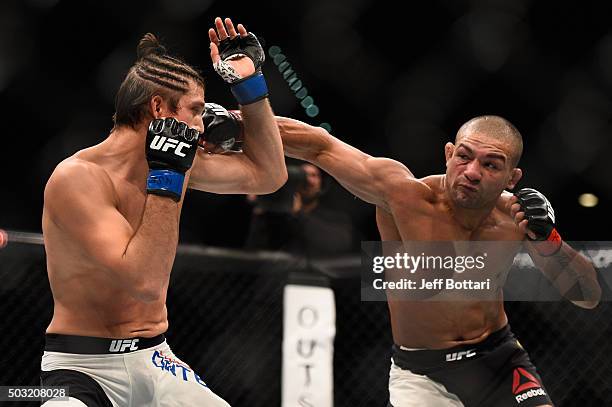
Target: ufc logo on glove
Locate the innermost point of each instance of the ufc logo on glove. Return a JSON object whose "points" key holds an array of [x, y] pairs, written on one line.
{"points": [[163, 143]]}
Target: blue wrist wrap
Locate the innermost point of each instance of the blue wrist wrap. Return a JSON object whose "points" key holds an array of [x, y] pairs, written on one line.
{"points": [[251, 89], [166, 183]]}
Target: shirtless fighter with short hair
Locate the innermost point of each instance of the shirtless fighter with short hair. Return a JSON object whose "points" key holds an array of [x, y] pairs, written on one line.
{"points": [[468, 202], [111, 218]]}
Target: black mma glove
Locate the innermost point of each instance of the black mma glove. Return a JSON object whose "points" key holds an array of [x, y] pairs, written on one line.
{"points": [[222, 129], [253, 87], [540, 220], [170, 149]]}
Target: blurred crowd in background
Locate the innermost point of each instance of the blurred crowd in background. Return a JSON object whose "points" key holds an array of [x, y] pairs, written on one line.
{"points": [[392, 84]]}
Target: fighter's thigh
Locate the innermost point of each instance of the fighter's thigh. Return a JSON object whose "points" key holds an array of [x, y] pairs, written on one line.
{"points": [[174, 391], [407, 389], [176, 384]]}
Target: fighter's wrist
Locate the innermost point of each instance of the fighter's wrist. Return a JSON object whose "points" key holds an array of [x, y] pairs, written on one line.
{"points": [[549, 245], [166, 182], [250, 89]]}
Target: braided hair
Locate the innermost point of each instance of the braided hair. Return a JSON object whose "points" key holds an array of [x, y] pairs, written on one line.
{"points": [[155, 72]]}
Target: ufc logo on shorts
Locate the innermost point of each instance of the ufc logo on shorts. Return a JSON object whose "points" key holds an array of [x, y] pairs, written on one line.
{"points": [[451, 357], [164, 143], [121, 345]]}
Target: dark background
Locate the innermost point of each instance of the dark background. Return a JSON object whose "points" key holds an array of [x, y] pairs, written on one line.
{"points": [[396, 84]]}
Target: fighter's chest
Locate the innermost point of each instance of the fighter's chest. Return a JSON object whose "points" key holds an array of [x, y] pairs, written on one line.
{"points": [[495, 242], [438, 225]]}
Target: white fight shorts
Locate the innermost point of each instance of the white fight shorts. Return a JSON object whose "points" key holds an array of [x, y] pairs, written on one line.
{"points": [[121, 372]]}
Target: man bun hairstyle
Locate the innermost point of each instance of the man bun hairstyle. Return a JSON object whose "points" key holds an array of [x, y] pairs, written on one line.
{"points": [[155, 72], [149, 45]]}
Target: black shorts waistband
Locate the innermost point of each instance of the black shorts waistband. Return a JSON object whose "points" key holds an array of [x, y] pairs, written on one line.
{"points": [[95, 346], [427, 358]]}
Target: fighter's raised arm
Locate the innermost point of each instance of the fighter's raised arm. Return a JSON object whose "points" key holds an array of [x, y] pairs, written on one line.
{"points": [[237, 57]]}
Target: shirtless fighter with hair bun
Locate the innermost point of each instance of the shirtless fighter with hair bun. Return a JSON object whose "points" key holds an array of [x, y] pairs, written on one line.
{"points": [[111, 217]]}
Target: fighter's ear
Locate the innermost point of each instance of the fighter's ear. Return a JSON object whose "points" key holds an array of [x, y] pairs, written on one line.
{"points": [[449, 149], [156, 106], [517, 174]]}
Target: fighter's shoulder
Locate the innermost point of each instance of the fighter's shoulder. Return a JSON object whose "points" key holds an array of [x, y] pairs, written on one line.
{"points": [[76, 175], [414, 190]]}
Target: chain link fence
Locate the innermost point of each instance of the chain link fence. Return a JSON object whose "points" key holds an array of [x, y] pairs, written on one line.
{"points": [[226, 321]]}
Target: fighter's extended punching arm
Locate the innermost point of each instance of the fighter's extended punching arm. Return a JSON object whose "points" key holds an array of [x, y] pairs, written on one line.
{"points": [[81, 200], [569, 271], [370, 178]]}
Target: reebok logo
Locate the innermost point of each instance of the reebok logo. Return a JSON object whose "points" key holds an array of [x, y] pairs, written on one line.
{"points": [[529, 394], [121, 345], [525, 385], [164, 143], [451, 357]]}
